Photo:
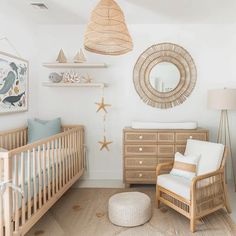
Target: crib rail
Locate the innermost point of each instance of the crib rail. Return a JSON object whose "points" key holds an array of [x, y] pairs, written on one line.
{"points": [[13, 139], [42, 171]]}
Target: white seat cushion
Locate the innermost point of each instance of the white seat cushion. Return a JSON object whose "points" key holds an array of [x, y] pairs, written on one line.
{"points": [[211, 155], [175, 184]]}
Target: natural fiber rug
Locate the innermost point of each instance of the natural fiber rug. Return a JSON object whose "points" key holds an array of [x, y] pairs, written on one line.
{"points": [[83, 212]]}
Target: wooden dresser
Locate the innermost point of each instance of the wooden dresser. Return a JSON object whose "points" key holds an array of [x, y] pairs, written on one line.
{"points": [[144, 149]]}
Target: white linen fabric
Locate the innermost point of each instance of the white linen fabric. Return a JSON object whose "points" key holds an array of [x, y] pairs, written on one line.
{"points": [[211, 155], [176, 184]]}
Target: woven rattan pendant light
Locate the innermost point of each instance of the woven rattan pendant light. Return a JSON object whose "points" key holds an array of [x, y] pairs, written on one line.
{"points": [[107, 32]]}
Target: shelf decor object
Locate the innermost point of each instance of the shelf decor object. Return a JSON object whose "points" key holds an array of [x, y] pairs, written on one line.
{"points": [[79, 57], [164, 75], [224, 100], [61, 58], [107, 32]]}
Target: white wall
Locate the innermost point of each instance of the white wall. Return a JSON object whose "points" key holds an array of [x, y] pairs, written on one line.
{"points": [[211, 46], [20, 33]]}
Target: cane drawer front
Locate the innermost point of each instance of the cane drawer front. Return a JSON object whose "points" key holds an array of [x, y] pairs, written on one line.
{"points": [[164, 137], [134, 176], [182, 137], [164, 160], [133, 137], [140, 150], [180, 148], [141, 163], [165, 150]]}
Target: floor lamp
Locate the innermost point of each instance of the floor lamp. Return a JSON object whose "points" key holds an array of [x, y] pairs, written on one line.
{"points": [[224, 100]]}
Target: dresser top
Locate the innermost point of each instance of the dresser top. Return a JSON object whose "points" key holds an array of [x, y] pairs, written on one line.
{"points": [[129, 129]]}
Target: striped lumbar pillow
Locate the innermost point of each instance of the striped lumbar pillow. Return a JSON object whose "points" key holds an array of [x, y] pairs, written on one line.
{"points": [[185, 166]]}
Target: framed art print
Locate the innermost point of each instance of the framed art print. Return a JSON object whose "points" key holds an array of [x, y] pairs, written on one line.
{"points": [[14, 73]]}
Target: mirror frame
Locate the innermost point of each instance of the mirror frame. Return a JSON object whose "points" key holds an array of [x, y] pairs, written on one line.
{"points": [[164, 52]]}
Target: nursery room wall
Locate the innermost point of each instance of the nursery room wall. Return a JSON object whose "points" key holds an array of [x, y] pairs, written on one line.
{"points": [[211, 47], [19, 31]]}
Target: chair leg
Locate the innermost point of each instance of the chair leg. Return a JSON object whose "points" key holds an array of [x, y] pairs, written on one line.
{"points": [[192, 225], [226, 198], [157, 197]]}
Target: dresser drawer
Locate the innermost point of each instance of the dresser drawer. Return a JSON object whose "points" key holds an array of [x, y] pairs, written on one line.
{"points": [[141, 176], [164, 160], [140, 137], [140, 163], [180, 148], [166, 137], [182, 137], [140, 149], [165, 150]]}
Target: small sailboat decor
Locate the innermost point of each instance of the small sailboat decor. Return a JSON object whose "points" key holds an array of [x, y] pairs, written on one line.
{"points": [[61, 58], [79, 57]]}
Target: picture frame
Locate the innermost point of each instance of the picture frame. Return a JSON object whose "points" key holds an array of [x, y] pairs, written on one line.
{"points": [[14, 79]]}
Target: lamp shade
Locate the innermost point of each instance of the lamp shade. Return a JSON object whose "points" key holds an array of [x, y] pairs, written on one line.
{"points": [[222, 99], [107, 32]]}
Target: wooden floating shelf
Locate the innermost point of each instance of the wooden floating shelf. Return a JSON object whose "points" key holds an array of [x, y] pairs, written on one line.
{"points": [[50, 84], [75, 65]]}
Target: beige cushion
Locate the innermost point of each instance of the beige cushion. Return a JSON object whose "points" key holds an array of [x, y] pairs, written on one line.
{"points": [[211, 155], [185, 166], [176, 184]]}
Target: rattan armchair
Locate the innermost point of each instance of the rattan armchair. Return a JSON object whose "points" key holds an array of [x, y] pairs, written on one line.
{"points": [[208, 193]]}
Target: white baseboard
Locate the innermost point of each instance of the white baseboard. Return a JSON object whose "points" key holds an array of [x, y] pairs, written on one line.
{"points": [[101, 183]]}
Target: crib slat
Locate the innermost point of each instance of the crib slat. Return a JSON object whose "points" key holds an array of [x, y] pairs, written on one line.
{"points": [[60, 164], [34, 181], [16, 193], [23, 188], [49, 171], [53, 168], [29, 184], [73, 152], [44, 175], [63, 158], [57, 155], [69, 155], [40, 176]]}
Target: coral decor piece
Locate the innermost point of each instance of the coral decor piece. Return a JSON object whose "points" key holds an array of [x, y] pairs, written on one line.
{"points": [[107, 32]]}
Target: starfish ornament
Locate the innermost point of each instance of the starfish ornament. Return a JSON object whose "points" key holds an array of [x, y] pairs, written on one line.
{"points": [[104, 144], [102, 105]]}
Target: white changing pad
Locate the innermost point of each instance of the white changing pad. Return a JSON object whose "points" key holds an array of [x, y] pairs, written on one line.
{"points": [[163, 125]]}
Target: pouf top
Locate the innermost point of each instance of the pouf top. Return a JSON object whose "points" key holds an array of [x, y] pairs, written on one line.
{"points": [[129, 198]]}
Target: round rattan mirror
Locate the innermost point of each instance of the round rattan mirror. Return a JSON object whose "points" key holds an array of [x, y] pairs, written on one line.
{"points": [[164, 75]]}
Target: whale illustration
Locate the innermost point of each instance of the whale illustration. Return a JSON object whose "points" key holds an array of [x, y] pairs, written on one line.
{"points": [[11, 100], [9, 81]]}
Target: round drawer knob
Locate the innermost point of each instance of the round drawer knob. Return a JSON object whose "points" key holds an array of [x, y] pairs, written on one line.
{"points": [[190, 137], [140, 137], [140, 162], [140, 175], [140, 149]]}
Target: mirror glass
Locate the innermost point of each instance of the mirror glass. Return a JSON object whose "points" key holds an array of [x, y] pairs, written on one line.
{"points": [[164, 77]]}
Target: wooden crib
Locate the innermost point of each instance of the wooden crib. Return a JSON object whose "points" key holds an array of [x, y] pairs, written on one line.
{"points": [[36, 175]]}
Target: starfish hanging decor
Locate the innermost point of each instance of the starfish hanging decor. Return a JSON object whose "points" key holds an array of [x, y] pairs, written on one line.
{"points": [[102, 105], [104, 143]]}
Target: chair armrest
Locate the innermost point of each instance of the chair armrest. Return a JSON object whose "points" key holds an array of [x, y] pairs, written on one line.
{"points": [[164, 166], [211, 176], [207, 185]]}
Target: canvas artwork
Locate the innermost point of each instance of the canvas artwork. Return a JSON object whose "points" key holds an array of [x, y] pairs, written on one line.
{"points": [[13, 83]]}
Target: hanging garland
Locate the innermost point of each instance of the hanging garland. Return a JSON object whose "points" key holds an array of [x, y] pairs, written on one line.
{"points": [[102, 107]]}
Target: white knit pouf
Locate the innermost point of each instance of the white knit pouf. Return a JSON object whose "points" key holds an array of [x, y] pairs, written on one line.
{"points": [[129, 209]]}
